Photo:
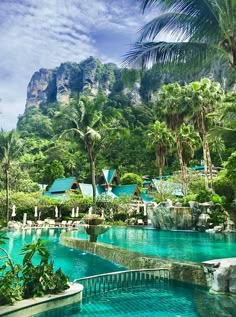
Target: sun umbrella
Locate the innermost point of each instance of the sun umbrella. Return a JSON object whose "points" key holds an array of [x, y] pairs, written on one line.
{"points": [[35, 211], [77, 212], [56, 212], [73, 213], [13, 211]]}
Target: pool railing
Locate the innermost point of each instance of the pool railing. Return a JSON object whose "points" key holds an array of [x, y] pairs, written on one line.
{"points": [[102, 283]]}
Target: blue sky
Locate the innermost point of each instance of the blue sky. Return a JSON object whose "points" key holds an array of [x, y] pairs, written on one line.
{"points": [[44, 33]]}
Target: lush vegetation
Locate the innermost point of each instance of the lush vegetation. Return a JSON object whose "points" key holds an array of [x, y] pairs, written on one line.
{"points": [[32, 278], [182, 126]]}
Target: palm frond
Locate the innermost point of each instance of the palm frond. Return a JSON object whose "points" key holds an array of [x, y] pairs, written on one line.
{"points": [[146, 54], [167, 22]]}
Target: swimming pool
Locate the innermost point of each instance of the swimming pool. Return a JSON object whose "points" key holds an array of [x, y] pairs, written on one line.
{"points": [[163, 300], [74, 263], [178, 245]]}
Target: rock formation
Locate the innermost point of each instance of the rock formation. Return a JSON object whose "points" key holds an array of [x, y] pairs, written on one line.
{"points": [[57, 85]]}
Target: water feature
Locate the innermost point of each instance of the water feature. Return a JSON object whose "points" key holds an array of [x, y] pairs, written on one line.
{"points": [[180, 245]]}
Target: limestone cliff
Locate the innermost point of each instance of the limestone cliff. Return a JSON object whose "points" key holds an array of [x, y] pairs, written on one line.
{"points": [[56, 85]]}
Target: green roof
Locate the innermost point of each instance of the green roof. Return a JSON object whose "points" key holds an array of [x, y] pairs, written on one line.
{"points": [[198, 167], [108, 175], [62, 185], [87, 189], [146, 198], [124, 190]]}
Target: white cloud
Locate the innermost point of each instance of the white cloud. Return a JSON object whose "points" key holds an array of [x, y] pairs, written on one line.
{"points": [[42, 34]]}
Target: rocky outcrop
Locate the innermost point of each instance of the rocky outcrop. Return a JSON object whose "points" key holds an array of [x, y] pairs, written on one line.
{"points": [[221, 275], [57, 85], [165, 216], [41, 88]]}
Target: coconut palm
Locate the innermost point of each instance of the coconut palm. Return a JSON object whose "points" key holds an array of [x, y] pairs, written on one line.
{"points": [[83, 117], [199, 29], [11, 147], [161, 139]]}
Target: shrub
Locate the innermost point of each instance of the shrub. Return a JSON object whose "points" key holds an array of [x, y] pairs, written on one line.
{"points": [[224, 187], [131, 178], [29, 280], [203, 196]]}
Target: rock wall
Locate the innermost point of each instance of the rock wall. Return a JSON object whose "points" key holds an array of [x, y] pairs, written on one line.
{"points": [[167, 217]]}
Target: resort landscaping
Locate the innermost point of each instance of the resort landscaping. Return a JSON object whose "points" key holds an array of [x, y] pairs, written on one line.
{"points": [[118, 184]]}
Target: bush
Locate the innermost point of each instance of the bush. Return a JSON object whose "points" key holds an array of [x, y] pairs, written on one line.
{"points": [[224, 187], [29, 280], [203, 196], [131, 178], [216, 199]]}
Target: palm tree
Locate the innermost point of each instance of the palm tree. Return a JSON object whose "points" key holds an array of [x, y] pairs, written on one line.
{"points": [[204, 96], [190, 141], [199, 29], [160, 138], [11, 147], [83, 116], [174, 109]]}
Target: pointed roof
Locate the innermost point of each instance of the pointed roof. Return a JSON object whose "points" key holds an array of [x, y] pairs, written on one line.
{"points": [[109, 175], [62, 185], [125, 190], [87, 189]]}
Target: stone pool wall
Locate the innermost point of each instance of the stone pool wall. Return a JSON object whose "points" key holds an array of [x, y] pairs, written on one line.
{"points": [[188, 272]]}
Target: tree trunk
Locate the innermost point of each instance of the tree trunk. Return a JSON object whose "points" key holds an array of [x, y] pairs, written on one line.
{"points": [[181, 163], [93, 176], [7, 195], [206, 156]]}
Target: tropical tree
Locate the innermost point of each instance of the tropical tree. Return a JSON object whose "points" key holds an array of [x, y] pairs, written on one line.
{"points": [[161, 140], [190, 141], [174, 108], [11, 147], [83, 117], [204, 97], [197, 29]]}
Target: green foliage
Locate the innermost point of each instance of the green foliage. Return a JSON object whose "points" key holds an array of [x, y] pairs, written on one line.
{"points": [[29, 280], [52, 171], [10, 285], [40, 279], [231, 168], [216, 199], [190, 197], [203, 196], [224, 187], [131, 178], [120, 217]]}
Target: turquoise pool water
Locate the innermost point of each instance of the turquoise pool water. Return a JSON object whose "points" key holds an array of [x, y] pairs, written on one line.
{"points": [[179, 245], [168, 300], [74, 263]]}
